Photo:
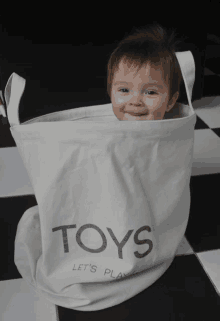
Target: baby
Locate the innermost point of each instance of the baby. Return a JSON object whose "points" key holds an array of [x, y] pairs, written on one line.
{"points": [[147, 93], [141, 97]]}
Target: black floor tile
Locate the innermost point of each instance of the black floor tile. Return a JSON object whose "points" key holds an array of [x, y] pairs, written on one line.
{"points": [[211, 86], [203, 229], [183, 292], [213, 64], [212, 51], [12, 209]]}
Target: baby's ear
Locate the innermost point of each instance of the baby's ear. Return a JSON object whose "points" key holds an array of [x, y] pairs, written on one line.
{"points": [[172, 102]]}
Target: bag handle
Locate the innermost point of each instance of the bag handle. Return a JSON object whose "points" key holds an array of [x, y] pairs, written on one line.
{"points": [[2, 108], [13, 91], [16, 84], [187, 66]]}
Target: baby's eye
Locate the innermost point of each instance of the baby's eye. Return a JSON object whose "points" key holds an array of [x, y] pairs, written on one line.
{"points": [[149, 91], [122, 89]]}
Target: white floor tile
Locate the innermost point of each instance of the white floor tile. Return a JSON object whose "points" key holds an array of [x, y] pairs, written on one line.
{"points": [[184, 248], [14, 179], [211, 264], [208, 109], [208, 72], [19, 302], [206, 154]]}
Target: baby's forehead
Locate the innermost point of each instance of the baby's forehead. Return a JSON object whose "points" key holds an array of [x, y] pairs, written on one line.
{"points": [[128, 70], [135, 68], [133, 65]]}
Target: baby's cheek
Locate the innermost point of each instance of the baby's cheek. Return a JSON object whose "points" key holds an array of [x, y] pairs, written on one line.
{"points": [[120, 101], [150, 117]]}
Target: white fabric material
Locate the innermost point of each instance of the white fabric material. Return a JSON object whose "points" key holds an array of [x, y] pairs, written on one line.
{"points": [[113, 198], [2, 111], [2, 108]]}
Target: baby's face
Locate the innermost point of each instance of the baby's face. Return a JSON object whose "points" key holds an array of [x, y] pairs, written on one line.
{"points": [[141, 96]]}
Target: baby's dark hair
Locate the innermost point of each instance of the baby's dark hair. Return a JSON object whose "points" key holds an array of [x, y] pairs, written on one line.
{"points": [[152, 44]]}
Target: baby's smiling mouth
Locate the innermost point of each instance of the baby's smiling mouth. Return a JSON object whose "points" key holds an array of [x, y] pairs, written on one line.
{"points": [[135, 111], [136, 114]]}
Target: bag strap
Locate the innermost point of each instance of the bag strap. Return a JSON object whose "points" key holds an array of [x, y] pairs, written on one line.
{"points": [[16, 84], [2, 108], [13, 91], [188, 69]]}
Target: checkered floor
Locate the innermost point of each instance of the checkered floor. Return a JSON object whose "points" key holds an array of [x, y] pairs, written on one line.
{"points": [[191, 286]]}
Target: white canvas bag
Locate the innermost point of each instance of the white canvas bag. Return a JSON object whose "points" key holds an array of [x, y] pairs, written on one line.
{"points": [[113, 198]]}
